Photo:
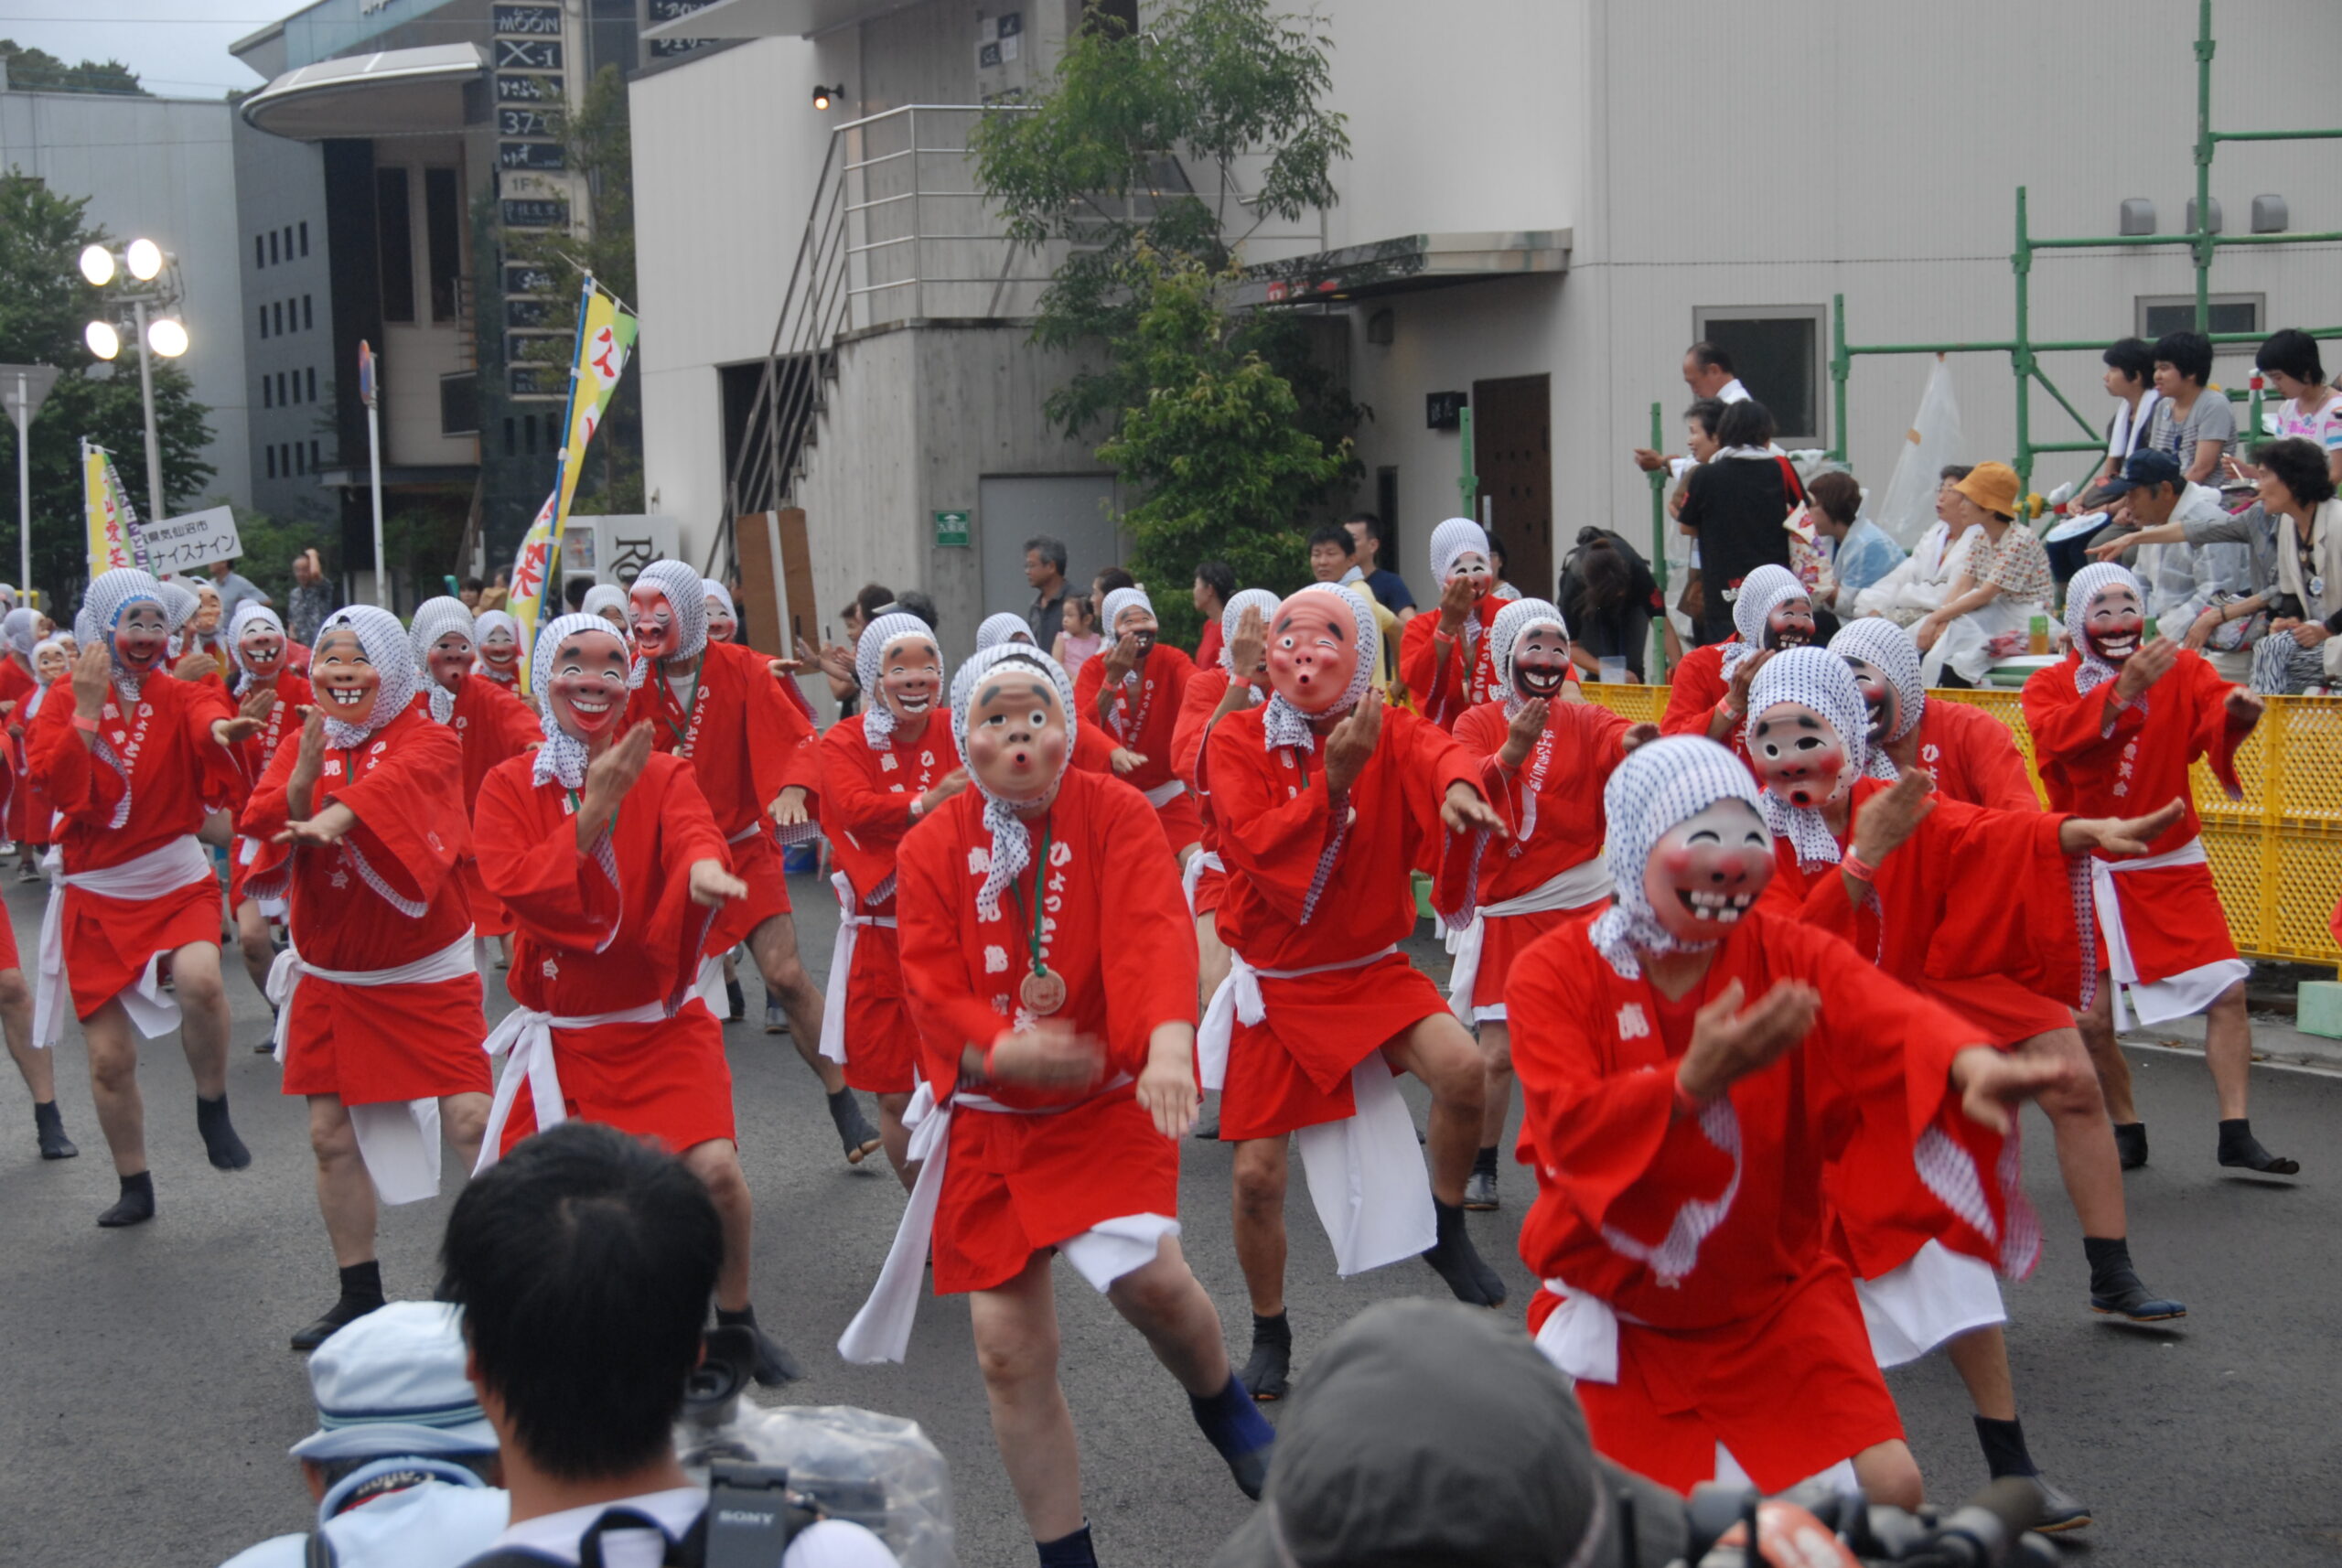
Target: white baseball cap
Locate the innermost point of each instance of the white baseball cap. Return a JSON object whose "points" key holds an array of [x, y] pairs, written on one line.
{"points": [[392, 1382]]}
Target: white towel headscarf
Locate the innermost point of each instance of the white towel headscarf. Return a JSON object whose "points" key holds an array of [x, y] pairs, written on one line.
{"points": [[1660, 784], [1233, 611], [116, 591], [1879, 642], [1012, 843], [1818, 679], [712, 589], [1762, 592], [385, 644], [248, 615], [1451, 541], [686, 599], [21, 627], [1284, 725], [605, 596], [1006, 627], [1505, 634], [870, 656], [434, 618], [2089, 583], [562, 757]]}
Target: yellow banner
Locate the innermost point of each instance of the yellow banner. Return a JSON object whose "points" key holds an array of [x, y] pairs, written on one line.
{"points": [[113, 522]]}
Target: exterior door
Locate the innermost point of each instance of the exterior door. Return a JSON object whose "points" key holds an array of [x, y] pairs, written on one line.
{"points": [[1013, 507], [1513, 451]]}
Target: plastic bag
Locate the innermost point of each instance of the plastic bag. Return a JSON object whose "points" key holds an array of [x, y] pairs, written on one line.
{"points": [[1908, 505], [878, 1471]]}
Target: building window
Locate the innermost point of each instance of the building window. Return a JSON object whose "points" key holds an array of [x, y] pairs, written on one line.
{"points": [[394, 233], [528, 433], [313, 384], [2159, 315], [264, 321], [288, 241], [260, 251], [271, 244], [443, 233], [1776, 351], [278, 317], [299, 464], [509, 447], [267, 394], [308, 312], [313, 464], [305, 236], [270, 453]]}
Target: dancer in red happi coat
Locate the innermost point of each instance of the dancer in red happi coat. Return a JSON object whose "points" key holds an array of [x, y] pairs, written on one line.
{"points": [[267, 689], [1444, 655], [1132, 692], [492, 723], [1707, 694]]}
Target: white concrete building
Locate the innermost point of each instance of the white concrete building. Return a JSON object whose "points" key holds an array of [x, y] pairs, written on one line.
{"points": [[163, 169], [1547, 201]]}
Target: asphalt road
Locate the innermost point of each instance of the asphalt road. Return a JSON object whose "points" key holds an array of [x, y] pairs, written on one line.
{"points": [[149, 1395]]}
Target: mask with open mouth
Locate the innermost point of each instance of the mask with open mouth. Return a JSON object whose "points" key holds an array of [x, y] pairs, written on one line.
{"points": [[1013, 723], [1128, 612], [2105, 615], [901, 633], [1322, 646], [1807, 722], [666, 609], [723, 617], [1687, 848], [1885, 664], [363, 673], [1529, 647], [580, 668], [256, 642], [498, 643], [137, 615]]}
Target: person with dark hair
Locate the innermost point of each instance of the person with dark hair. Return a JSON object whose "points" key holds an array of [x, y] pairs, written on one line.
{"points": [[1215, 584], [1862, 553], [2183, 580], [1132, 691], [1709, 372], [2130, 380], [1078, 639], [912, 602], [837, 659], [1918, 587], [1045, 560], [1333, 558], [472, 589], [1333, 552], [587, 1250], [1735, 506], [573, 592], [1500, 586], [2198, 430], [1373, 536], [2312, 410], [1610, 599]]}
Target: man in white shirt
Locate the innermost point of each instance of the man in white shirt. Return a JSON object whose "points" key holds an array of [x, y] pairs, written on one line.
{"points": [[584, 1263]]}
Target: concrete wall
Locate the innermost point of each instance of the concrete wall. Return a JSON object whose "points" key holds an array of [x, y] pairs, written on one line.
{"points": [[163, 169], [280, 186]]}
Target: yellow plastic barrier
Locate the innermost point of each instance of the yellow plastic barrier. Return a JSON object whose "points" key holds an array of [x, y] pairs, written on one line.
{"points": [[2276, 855]]}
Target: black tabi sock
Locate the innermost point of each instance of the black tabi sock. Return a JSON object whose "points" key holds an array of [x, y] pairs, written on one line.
{"points": [[44, 1115], [2110, 1264], [362, 1282], [1485, 1161], [1068, 1550], [2003, 1445], [139, 1186], [1277, 1330], [744, 1319]]}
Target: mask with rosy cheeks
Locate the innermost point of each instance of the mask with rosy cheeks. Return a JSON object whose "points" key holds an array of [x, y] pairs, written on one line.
{"points": [[1798, 755], [1790, 624], [498, 650], [451, 660], [142, 636], [910, 678], [654, 622], [50, 666], [264, 650], [1138, 625], [588, 685], [206, 619], [1878, 696], [1313, 652], [2113, 623], [1706, 870], [1541, 662], [1474, 565], [346, 685], [720, 622], [1017, 735]]}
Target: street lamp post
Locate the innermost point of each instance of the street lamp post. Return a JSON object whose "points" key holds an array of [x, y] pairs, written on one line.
{"points": [[144, 261]]}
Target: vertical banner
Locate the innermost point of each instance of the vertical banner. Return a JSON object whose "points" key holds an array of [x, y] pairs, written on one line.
{"points": [[606, 332], [113, 522]]}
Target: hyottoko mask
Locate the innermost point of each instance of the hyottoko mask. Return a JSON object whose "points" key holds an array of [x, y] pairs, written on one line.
{"points": [[910, 679], [450, 659], [588, 685], [1705, 872], [1799, 756], [50, 665], [1879, 696], [2113, 622], [1017, 736], [497, 650], [655, 633], [721, 621], [142, 636], [1313, 651], [1790, 624], [1473, 567], [262, 649], [206, 619], [1541, 661], [345, 679]]}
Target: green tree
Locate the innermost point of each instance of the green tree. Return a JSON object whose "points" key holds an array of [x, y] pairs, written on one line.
{"points": [[43, 303], [30, 70], [1216, 446]]}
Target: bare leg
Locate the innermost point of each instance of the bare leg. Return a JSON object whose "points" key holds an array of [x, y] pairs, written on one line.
{"points": [[345, 1192], [1496, 1055], [1981, 1359], [774, 946], [252, 941], [2097, 1027], [1260, 1184], [716, 1162], [1438, 1051], [38, 1068], [1889, 1475], [2228, 1051], [113, 1085], [1212, 955], [203, 1015], [2086, 1156], [896, 1137], [1015, 1329], [463, 1121], [1164, 1302]]}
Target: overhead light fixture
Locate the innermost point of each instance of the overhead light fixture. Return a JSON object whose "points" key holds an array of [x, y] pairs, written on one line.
{"points": [[824, 96], [167, 335], [103, 339], [97, 265], [145, 259]]}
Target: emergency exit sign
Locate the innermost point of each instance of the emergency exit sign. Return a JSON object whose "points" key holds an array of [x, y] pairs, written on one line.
{"points": [[952, 529]]}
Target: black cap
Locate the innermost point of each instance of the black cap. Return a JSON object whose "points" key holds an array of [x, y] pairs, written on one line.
{"points": [[2148, 466], [1430, 1432]]}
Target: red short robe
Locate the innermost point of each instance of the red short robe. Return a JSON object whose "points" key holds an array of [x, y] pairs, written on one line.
{"points": [[1694, 689], [1972, 757], [1744, 1329], [1304, 891], [16, 684], [2101, 758], [585, 945], [1205, 689], [164, 740], [1143, 724], [385, 896], [291, 692], [865, 810], [1207, 646], [493, 725], [1566, 773], [1119, 936], [39, 813], [1443, 689], [747, 743]]}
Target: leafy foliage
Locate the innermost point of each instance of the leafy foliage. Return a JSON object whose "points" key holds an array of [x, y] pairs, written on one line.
{"points": [[30, 70]]}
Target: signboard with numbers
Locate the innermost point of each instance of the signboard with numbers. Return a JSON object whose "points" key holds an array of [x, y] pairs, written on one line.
{"points": [[528, 54], [528, 21], [531, 155], [523, 123]]}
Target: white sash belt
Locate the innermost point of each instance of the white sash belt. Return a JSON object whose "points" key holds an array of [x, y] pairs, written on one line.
{"points": [[1163, 795], [1580, 1334], [1579, 885], [851, 920], [881, 1331], [1193, 876], [2102, 873], [399, 1140], [161, 870], [526, 1037], [1238, 997]]}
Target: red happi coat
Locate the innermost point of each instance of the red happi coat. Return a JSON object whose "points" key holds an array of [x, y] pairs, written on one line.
{"points": [[1144, 723], [1443, 688], [18, 684], [37, 810], [1116, 931], [606, 930], [2099, 757], [290, 692], [1307, 888], [384, 897], [1197, 705], [867, 809], [1972, 757], [1706, 1235], [165, 766], [1564, 776], [747, 743], [493, 726]]}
